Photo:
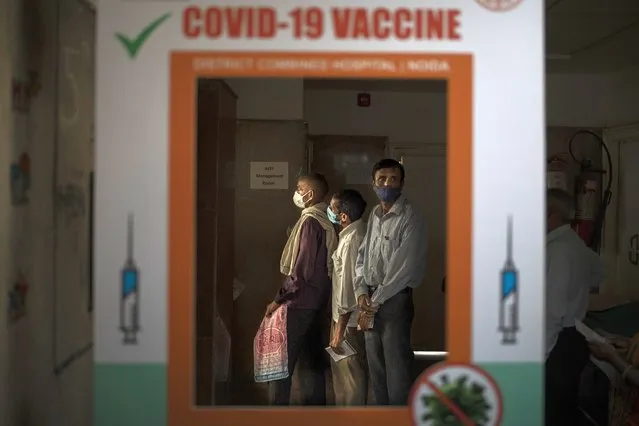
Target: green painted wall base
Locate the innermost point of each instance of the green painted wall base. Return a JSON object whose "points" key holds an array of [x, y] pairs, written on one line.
{"points": [[522, 387], [130, 395], [135, 394]]}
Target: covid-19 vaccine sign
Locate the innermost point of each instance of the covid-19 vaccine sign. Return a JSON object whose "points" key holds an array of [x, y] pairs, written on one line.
{"points": [[151, 54]]}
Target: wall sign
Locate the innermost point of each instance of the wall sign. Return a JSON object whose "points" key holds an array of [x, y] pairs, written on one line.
{"points": [[269, 175]]}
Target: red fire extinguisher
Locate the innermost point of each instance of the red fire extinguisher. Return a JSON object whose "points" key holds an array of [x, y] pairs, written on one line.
{"points": [[590, 211], [585, 195], [586, 204]]}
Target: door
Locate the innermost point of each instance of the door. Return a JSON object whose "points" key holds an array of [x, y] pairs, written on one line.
{"points": [[347, 162], [262, 216], [214, 240], [425, 188], [225, 240], [628, 236], [206, 181]]}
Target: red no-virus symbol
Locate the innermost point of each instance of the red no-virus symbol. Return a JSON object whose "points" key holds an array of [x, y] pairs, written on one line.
{"points": [[458, 394], [499, 5]]}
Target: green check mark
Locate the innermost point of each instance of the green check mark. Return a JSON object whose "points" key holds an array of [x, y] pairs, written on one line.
{"points": [[133, 45]]}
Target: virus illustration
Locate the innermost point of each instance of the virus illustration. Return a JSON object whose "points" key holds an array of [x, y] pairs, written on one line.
{"points": [[466, 396]]}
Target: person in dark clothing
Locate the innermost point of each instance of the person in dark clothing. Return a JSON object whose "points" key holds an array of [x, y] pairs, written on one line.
{"points": [[571, 270], [307, 265]]}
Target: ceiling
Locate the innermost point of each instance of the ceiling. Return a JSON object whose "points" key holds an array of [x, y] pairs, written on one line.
{"points": [[591, 36]]}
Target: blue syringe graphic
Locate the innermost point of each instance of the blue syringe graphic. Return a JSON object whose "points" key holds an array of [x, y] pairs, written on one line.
{"points": [[509, 301], [129, 320]]}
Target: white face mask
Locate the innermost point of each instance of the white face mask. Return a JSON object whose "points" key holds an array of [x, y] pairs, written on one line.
{"points": [[298, 199]]}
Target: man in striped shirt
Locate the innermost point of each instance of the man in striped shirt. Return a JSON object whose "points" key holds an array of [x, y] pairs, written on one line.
{"points": [[390, 264]]}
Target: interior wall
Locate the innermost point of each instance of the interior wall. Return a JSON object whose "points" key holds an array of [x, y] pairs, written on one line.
{"points": [[622, 107], [32, 245], [569, 105], [269, 98], [400, 116]]}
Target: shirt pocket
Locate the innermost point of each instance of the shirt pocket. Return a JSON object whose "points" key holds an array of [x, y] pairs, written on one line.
{"points": [[389, 245]]}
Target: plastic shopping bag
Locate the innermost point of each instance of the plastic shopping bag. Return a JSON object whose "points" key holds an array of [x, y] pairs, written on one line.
{"points": [[270, 348]]}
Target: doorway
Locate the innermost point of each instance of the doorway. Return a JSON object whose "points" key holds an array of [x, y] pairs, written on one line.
{"points": [[247, 170], [628, 222]]}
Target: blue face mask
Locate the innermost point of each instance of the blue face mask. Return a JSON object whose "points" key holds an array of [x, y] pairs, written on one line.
{"points": [[387, 194], [332, 216]]}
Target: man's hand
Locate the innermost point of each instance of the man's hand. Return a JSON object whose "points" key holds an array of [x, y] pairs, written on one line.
{"points": [[336, 343], [365, 320], [365, 304], [271, 308], [602, 351], [621, 344]]}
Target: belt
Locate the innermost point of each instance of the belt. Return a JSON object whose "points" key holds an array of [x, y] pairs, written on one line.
{"points": [[371, 290]]}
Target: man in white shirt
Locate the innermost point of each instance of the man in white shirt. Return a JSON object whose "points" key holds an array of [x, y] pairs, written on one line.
{"points": [[350, 375], [391, 262], [571, 269]]}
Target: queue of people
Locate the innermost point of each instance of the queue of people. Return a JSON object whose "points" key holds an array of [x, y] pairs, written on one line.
{"points": [[347, 280], [358, 275]]}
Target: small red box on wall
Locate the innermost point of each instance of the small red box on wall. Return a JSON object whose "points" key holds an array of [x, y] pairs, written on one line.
{"points": [[363, 100]]}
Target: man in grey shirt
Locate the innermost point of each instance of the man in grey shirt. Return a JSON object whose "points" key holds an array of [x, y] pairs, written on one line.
{"points": [[390, 263]]}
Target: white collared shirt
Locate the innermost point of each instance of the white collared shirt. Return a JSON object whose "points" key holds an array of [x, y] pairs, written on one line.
{"points": [[571, 269], [344, 260], [393, 255]]}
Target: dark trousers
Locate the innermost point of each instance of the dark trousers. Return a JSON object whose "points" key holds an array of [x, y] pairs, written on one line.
{"points": [[306, 355], [389, 351], [564, 366]]}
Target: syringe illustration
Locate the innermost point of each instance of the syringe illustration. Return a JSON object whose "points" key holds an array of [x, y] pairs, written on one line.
{"points": [[509, 302], [129, 314]]}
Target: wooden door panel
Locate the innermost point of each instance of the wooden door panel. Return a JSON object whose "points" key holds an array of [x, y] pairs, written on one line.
{"points": [[425, 187], [206, 196], [227, 130]]}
